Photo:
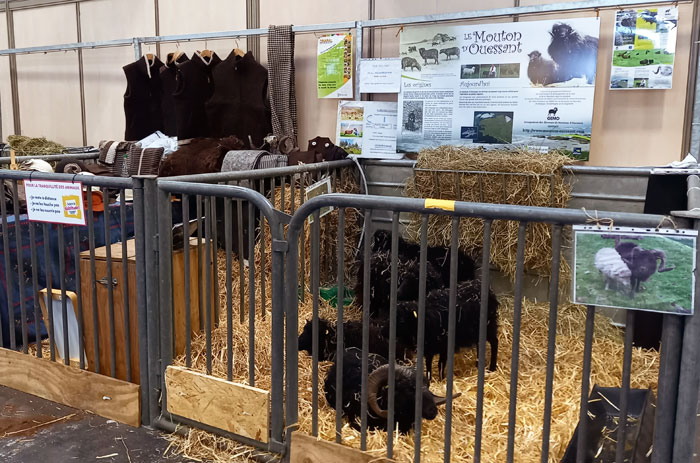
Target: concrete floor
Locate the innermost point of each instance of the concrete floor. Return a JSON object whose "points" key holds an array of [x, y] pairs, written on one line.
{"points": [[33, 430]]}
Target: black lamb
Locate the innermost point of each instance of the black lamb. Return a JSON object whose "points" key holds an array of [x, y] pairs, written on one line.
{"points": [[377, 368], [575, 55], [542, 71], [468, 309], [352, 337], [408, 271]]}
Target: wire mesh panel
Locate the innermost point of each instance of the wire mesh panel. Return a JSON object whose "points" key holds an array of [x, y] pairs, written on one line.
{"points": [[512, 377]]}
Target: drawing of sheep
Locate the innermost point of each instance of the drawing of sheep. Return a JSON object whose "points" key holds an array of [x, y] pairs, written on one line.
{"points": [[409, 62], [553, 111], [452, 51], [429, 54]]}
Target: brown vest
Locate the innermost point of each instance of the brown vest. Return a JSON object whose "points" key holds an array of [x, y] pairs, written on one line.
{"points": [[194, 87], [142, 107], [239, 105], [168, 79]]}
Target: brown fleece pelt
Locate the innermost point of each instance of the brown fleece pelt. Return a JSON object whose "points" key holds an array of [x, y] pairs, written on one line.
{"points": [[200, 156]]}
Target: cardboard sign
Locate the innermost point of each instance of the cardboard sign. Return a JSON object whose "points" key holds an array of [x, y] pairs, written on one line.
{"points": [[627, 268], [55, 202], [319, 188]]}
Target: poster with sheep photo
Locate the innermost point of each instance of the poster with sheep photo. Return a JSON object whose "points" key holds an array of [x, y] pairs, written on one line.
{"points": [[529, 84], [630, 268], [644, 48]]}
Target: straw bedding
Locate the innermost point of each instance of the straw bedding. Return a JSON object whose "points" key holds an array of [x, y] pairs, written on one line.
{"points": [[540, 184], [606, 371]]}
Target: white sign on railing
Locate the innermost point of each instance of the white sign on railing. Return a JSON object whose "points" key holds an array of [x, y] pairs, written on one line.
{"points": [[55, 202]]}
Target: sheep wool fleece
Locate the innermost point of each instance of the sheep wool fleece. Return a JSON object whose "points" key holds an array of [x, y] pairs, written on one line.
{"points": [[142, 100], [168, 78], [195, 86], [239, 105]]}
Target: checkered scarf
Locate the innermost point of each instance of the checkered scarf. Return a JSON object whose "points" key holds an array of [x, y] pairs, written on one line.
{"points": [[283, 102]]}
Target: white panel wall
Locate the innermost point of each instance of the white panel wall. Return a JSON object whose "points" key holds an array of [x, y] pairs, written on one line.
{"points": [[189, 17], [316, 116], [48, 85], [5, 86], [102, 68]]}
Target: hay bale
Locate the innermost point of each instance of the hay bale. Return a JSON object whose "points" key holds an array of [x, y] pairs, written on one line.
{"points": [[477, 175], [28, 146]]}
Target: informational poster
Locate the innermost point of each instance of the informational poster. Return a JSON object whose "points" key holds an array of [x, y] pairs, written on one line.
{"points": [[55, 202], [368, 128], [380, 75], [651, 270], [529, 84], [334, 63], [644, 48]]}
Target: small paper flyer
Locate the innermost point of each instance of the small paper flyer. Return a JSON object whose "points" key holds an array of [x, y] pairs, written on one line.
{"points": [[368, 128], [334, 62], [644, 48]]}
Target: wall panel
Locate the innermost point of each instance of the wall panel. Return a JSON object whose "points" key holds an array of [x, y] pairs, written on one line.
{"points": [[8, 127], [102, 68], [48, 85], [316, 116]]}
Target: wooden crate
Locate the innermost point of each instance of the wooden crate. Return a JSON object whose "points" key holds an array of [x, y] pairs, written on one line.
{"points": [[119, 306]]}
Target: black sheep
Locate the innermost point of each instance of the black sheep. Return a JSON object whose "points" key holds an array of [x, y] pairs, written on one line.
{"points": [[352, 337], [377, 368], [575, 55], [468, 309], [542, 71], [641, 262], [408, 271]]}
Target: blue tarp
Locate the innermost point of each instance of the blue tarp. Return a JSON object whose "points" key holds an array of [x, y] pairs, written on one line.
{"points": [[54, 255]]}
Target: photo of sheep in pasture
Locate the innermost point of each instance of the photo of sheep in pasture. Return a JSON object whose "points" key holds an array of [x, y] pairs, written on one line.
{"points": [[470, 71], [351, 113], [351, 145], [633, 270]]}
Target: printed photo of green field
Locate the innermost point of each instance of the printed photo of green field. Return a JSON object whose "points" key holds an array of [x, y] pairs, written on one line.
{"points": [[634, 58], [635, 271]]}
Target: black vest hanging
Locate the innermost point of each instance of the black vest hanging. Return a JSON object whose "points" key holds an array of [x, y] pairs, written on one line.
{"points": [[168, 79], [142, 100], [194, 87], [239, 105]]}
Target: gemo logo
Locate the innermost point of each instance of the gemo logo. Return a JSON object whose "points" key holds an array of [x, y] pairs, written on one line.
{"points": [[552, 114]]}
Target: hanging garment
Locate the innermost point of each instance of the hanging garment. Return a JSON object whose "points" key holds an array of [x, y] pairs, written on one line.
{"points": [[239, 105], [142, 106], [168, 78], [195, 86], [283, 103]]}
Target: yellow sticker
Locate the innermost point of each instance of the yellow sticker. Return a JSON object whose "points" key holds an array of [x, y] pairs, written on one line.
{"points": [[444, 204], [415, 314]]}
